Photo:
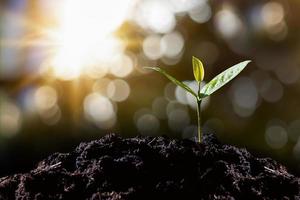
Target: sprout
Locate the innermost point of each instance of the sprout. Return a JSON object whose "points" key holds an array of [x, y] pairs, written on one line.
{"points": [[198, 69], [211, 87]]}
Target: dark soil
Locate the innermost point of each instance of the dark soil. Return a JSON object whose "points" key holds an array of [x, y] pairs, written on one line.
{"points": [[153, 168]]}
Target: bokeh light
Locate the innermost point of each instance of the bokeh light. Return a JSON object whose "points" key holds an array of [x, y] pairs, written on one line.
{"points": [[172, 44], [45, 98], [272, 16], [100, 110], [123, 67], [201, 13], [245, 97], [152, 47], [118, 90], [159, 106], [228, 23], [10, 118], [148, 124], [276, 136], [150, 13]]}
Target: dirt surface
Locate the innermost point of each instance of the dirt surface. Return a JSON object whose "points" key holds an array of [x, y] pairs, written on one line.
{"points": [[141, 168]]}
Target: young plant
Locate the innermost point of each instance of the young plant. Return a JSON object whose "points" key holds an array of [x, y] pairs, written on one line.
{"points": [[208, 89]]}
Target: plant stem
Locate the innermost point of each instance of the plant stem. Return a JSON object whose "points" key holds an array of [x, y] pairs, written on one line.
{"points": [[199, 113], [199, 120]]}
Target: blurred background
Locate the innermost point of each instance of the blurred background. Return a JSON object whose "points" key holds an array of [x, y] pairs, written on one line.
{"points": [[72, 71]]}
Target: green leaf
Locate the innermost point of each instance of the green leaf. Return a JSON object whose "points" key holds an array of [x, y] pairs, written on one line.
{"points": [[198, 69], [171, 78], [223, 78]]}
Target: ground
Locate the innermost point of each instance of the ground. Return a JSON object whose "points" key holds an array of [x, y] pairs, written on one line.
{"points": [[114, 168]]}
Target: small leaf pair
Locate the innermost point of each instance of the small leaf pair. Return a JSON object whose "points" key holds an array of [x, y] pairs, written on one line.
{"points": [[211, 87]]}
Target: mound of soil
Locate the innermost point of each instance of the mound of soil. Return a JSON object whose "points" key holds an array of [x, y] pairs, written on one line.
{"points": [[141, 168]]}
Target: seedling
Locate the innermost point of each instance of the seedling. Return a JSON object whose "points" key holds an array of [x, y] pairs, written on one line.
{"points": [[208, 89]]}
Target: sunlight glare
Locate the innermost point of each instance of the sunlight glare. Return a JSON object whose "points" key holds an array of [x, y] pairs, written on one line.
{"points": [[85, 35]]}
